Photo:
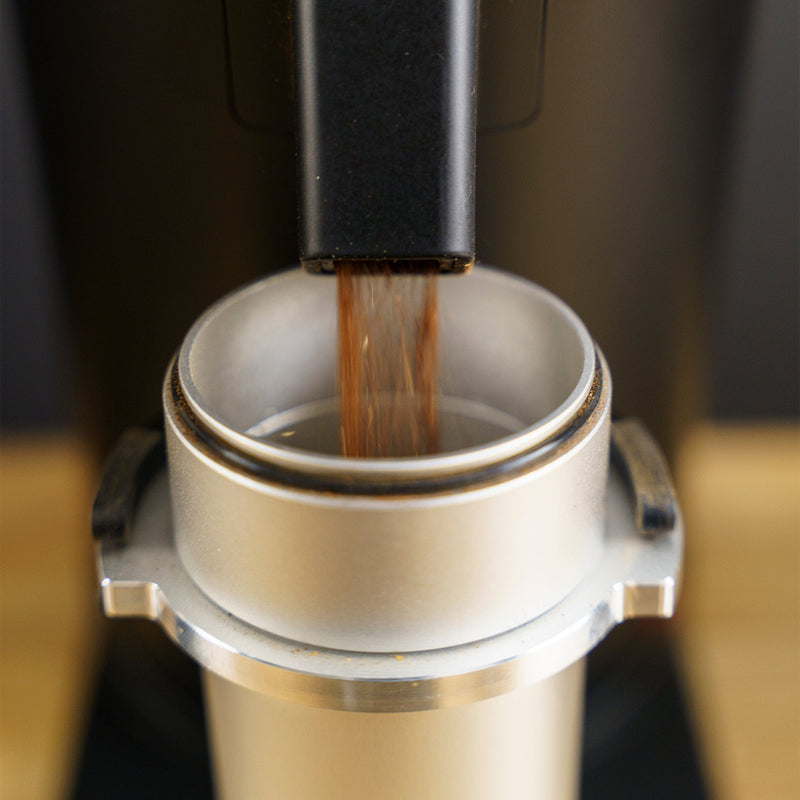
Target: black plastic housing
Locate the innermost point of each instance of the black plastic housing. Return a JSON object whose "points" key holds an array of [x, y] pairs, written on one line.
{"points": [[386, 134]]}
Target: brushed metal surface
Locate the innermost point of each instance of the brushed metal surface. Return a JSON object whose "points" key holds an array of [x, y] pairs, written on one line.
{"points": [[387, 572], [519, 746], [633, 576], [271, 346]]}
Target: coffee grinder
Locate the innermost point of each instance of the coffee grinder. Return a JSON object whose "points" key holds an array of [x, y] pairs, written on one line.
{"points": [[396, 627]]}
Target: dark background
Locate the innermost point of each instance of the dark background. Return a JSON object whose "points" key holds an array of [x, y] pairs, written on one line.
{"points": [[68, 143]]}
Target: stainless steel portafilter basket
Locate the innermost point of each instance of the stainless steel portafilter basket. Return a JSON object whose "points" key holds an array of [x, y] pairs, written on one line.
{"points": [[399, 628]]}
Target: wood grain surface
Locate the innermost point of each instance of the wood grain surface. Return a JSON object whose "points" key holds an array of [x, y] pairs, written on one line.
{"points": [[739, 618], [48, 614]]}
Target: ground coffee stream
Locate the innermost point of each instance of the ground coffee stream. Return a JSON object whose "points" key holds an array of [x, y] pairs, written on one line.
{"points": [[388, 359]]}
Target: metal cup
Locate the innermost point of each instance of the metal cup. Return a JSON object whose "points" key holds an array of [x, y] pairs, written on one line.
{"points": [[401, 628]]}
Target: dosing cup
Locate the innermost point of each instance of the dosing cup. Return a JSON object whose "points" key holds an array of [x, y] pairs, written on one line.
{"points": [[388, 554], [390, 627]]}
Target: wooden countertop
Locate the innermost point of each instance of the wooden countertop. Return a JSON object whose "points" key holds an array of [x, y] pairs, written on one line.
{"points": [[739, 618], [48, 613], [738, 626]]}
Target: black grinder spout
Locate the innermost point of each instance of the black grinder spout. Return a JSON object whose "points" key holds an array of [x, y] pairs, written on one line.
{"points": [[386, 96]]}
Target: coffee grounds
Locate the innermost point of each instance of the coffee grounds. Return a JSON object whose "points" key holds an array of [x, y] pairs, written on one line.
{"points": [[388, 359]]}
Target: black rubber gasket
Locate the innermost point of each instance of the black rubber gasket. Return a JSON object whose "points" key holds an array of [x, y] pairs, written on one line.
{"points": [[219, 450]]}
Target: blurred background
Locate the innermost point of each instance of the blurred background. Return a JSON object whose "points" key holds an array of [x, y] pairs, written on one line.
{"points": [[638, 158]]}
